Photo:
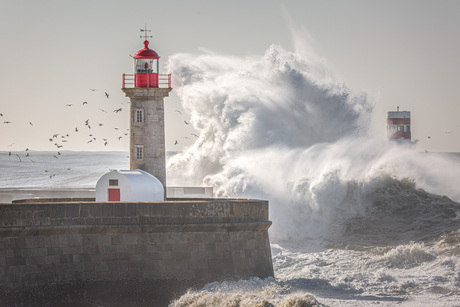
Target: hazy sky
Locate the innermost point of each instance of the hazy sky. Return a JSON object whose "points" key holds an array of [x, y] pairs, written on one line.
{"points": [[402, 53]]}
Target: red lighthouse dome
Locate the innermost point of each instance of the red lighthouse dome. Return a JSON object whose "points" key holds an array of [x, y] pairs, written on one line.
{"points": [[146, 52]]}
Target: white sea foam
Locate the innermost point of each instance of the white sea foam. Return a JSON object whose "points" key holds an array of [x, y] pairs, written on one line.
{"points": [[279, 127]]}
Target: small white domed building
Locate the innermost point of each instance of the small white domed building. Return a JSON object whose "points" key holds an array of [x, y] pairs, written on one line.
{"points": [[129, 185]]}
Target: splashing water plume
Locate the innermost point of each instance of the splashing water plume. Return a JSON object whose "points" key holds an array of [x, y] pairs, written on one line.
{"points": [[279, 127]]}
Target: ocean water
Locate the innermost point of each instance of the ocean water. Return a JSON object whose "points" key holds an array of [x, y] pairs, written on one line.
{"points": [[357, 220], [401, 247]]}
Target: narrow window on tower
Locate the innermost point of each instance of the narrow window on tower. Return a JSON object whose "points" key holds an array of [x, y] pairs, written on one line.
{"points": [[139, 116], [139, 152]]}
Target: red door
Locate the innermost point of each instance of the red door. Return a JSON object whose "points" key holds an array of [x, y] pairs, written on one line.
{"points": [[114, 194]]}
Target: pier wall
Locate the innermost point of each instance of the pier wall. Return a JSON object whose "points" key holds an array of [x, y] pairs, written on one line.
{"points": [[139, 253]]}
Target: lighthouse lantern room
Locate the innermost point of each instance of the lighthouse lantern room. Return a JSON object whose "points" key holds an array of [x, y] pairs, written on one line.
{"points": [[146, 63], [146, 69]]}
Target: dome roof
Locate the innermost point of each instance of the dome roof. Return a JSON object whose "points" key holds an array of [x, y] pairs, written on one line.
{"points": [[146, 53]]}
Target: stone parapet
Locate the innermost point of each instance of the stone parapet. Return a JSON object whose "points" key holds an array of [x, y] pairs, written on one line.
{"points": [[50, 248]]}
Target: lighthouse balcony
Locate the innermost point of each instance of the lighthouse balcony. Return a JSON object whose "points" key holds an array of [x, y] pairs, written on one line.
{"points": [[150, 80]]}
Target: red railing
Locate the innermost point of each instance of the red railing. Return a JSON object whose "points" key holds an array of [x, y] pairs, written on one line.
{"points": [[164, 81]]}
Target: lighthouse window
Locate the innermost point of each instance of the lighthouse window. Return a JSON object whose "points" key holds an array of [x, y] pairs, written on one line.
{"points": [[113, 182], [139, 116], [146, 65], [139, 152]]}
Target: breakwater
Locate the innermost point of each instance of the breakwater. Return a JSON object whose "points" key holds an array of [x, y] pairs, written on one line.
{"points": [[127, 253]]}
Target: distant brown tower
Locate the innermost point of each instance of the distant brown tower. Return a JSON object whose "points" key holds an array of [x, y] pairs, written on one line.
{"points": [[398, 125]]}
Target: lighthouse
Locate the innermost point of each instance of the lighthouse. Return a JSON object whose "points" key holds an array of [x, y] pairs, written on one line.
{"points": [[398, 125], [146, 89]]}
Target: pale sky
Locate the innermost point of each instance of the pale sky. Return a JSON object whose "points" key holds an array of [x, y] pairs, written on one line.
{"points": [[402, 53]]}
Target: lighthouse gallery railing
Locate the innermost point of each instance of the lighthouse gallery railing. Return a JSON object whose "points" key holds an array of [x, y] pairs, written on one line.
{"points": [[164, 80]]}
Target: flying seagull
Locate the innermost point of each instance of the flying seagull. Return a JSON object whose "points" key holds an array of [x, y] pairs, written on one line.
{"points": [[92, 89], [107, 95], [31, 123], [186, 122], [179, 112], [117, 110], [85, 102]]}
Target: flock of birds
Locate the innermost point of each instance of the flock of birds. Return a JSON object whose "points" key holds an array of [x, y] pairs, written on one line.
{"points": [[60, 140]]}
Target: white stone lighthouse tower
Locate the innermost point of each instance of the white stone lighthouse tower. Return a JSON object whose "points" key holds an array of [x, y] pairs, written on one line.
{"points": [[146, 89]]}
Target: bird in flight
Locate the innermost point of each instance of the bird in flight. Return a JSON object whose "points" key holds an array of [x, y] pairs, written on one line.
{"points": [[107, 95], [179, 112], [117, 110], [92, 89], [186, 122], [176, 143], [85, 102], [7, 122], [76, 129], [103, 110], [31, 123], [55, 135], [69, 105], [195, 135]]}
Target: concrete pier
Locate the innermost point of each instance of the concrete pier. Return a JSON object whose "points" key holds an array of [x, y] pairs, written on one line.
{"points": [[127, 253]]}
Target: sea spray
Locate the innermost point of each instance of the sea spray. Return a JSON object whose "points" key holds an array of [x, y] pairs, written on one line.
{"points": [[278, 127]]}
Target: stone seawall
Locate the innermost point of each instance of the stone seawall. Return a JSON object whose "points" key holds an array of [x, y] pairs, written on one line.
{"points": [[127, 253]]}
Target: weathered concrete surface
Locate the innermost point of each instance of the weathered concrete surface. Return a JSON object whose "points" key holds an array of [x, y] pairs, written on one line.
{"points": [[50, 248]]}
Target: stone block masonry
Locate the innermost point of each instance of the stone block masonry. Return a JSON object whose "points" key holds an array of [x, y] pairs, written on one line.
{"points": [[140, 253]]}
